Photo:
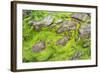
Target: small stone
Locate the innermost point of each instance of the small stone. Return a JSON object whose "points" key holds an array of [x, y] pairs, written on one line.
{"points": [[62, 41], [39, 47]]}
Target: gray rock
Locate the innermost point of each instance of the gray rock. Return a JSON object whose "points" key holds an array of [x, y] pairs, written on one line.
{"points": [[85, 31], [59, 21], [47, 20], [67, 25], [80, 16], [39, 24], [61, 29], [85, 45], [38, 47], [71, 25], [62, 41], [77, 55], [37, 28], [26, 13], [64, 23]]}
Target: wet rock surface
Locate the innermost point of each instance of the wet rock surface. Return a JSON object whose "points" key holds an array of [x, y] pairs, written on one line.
{"points": [[38, 47]]}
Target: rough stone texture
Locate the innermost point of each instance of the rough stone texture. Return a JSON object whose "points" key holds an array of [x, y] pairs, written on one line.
{"points": [[39, 46], [71, 25], [85, 30], [59, 21], [61, 29], [26, 13], [48, 20], [39, 24], [80, 16], [77, 55], [85, 45], [62, 41], [66, 25]]}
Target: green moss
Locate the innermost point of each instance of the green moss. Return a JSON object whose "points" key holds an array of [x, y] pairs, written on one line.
{"points": [[52, 52]]}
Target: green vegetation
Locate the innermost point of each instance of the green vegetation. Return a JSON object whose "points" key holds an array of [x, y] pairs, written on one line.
{"points": [[77, 47]]}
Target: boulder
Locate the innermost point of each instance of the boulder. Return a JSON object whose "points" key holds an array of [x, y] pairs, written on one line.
{"points": [[38, 47]]}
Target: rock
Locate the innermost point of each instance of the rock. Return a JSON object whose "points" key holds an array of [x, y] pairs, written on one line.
{"points": [[85, 45], [26, 13], [39, 24], [67, 25], [71, 25], [77, 55], [47, 20], [59, 21], [85, 31], [62, 41], [38, 47], [37, 28], [61, 29], [80, 16]]}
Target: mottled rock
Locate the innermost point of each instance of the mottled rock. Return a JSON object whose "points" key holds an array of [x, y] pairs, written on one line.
{"points": [[61, 29], [48, 20], [62, 41], [37, 28], [71, 25], [86, 43], [39, 24], [64, 23], [59, 21], [77, 55], [80, 16], [38, 47], [67, 25], [85, 31], [26, 13]]}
